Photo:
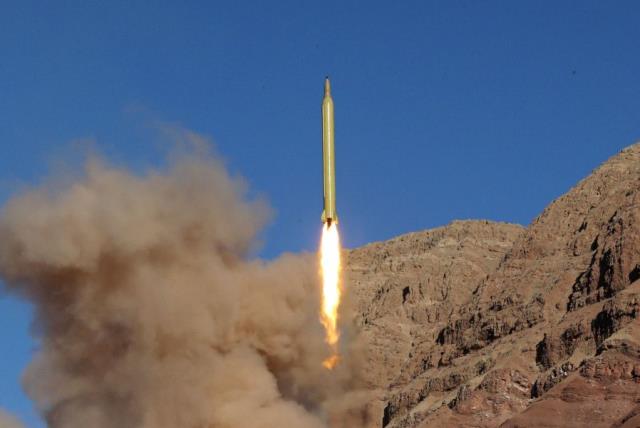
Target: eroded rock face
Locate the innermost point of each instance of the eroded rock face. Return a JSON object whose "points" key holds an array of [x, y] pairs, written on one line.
{"points": [[482, 324], [407, 290]]}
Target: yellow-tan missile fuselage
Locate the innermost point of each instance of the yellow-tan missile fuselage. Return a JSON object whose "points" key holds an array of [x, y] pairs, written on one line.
{"points": [[329, 214]]}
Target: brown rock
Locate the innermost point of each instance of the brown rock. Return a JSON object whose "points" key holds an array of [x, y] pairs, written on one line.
{"points": [[482, 324]]}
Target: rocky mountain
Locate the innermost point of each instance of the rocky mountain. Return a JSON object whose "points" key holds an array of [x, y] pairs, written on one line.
{"points": [[482, 324]]}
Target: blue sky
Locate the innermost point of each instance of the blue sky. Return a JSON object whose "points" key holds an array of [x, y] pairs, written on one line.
{"points": [[444, 110]]}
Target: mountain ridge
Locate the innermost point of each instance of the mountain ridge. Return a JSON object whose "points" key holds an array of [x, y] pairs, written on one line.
{"points": [[482, 323]]}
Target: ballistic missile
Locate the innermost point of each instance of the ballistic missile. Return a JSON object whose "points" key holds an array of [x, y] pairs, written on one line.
{"points": [[329, 214]]}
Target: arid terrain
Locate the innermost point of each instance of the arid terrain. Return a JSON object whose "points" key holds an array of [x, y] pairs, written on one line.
{"points": [[483, 324]]}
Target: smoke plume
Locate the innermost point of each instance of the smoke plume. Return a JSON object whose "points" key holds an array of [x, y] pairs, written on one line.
{"points": [[8, 421], [151, 312]]}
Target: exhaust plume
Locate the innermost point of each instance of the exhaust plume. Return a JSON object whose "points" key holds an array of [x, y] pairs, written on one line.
{"points": [[330, 272], [151, 312]]}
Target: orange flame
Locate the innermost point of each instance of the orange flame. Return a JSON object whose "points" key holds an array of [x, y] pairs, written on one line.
{"points": [[330, 270]]}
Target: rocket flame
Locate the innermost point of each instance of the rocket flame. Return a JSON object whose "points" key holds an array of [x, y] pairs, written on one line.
{"points": [[330, 270]]}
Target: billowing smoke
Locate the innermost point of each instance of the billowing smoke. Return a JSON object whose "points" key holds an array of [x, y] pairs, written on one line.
{"points": [[8, 421], [152, 313]]}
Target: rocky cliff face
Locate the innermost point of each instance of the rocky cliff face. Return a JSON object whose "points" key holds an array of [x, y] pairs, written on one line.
{"points": [[487, 324]]}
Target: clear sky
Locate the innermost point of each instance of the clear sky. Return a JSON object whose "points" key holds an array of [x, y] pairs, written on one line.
{"points": [[444, 110]]}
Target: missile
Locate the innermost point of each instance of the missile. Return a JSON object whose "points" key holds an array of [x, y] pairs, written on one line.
{"points": [[329, 214]]}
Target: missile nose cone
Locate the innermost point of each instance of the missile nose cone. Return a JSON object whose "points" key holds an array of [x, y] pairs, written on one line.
{"points": [[327, 87]]}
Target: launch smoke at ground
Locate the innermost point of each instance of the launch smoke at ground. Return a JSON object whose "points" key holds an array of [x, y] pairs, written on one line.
{"points": [[8, 421], [151, 314]]}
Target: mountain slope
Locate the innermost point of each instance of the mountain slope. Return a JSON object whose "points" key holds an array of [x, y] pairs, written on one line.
{"points": [[482, 324]]}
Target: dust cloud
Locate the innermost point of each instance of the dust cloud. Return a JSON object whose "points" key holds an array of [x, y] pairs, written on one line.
{"points": [[8, 421], [151, 311]]}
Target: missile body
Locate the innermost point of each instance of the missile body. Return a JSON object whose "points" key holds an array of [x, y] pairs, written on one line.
{"points": [[329, 214]]}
